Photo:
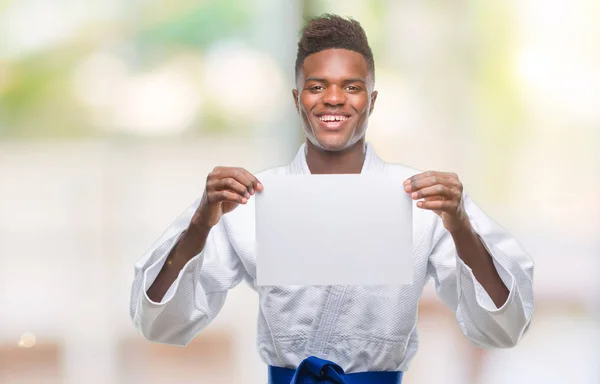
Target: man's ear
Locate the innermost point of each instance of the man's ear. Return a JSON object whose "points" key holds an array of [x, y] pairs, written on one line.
{"points": [[296, 100], [373, 98]]}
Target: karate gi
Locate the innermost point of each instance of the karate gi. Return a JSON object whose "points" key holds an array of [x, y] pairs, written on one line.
{"points": [[360, 328]]}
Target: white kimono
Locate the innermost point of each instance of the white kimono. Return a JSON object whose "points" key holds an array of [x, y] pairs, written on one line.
{"points": [[361, 328]]}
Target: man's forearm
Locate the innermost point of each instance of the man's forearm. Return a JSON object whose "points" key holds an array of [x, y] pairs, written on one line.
{"points": [[471, 250], [191, 243]]}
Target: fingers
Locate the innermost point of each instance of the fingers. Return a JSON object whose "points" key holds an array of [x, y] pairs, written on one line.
{"points": [[226, 195], [423, 175], [231, 184], [431, 178], [242, 176], [437, 204], [442, 191]]}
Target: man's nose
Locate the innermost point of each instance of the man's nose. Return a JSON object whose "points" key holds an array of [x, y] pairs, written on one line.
{"points": [[334, 96]]}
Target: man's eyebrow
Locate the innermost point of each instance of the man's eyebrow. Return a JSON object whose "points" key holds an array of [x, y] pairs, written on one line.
{"points": [[317, 79], [321, 80], [355, 80]]}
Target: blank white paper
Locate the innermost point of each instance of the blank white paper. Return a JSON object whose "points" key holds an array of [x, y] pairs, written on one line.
{"points": [[351, 229]]}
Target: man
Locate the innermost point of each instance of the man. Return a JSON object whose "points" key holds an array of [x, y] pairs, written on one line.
{"points": [[344, 334]]}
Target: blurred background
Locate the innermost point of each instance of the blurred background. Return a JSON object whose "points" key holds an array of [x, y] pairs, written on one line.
{"points": [[113, 112]]}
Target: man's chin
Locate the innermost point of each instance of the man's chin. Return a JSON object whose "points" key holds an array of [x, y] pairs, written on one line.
{"points": [[332, 144]]}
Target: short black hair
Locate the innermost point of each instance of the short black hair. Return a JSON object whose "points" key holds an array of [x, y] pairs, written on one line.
{"points": [[332, 31]]}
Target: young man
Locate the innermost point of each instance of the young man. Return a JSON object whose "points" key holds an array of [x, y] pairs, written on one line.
{"points": [[344, 334]]}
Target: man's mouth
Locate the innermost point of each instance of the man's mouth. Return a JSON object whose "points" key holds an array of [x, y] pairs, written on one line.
{"points": [[332, 121]]}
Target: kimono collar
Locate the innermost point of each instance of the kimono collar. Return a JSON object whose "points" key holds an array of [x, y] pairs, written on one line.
{"points": [[372, 164]]}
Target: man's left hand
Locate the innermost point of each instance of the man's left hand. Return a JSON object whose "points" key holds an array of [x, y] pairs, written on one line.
{"points": [[440, 192]]}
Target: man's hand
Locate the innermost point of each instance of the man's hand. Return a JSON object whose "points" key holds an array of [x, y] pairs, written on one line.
{"points": [[226, 188], [442, 193]]}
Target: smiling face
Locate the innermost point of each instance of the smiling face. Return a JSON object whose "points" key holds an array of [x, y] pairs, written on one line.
{"points": [[334, 98]]}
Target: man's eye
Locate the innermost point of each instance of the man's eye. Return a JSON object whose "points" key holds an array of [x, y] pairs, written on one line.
{"points": [[316, 88], [352, 88]]}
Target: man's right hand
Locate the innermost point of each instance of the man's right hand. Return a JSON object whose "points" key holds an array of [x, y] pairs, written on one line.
{"points": [[226, 188]]}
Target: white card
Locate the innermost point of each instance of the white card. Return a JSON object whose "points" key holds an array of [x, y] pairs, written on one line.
{"points": [[351, 229]]}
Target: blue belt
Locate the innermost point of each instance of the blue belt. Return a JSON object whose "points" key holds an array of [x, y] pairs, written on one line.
{"points": [[314, 370]]}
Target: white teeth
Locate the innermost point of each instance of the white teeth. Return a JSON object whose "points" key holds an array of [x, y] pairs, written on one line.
{"points": [[332, 118]]}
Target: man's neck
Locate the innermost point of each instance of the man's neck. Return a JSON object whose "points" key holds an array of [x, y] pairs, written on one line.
{"points": [[350, 160]]}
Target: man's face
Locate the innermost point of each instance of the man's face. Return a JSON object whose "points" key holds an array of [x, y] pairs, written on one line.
{"points": [[334, 97]]}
